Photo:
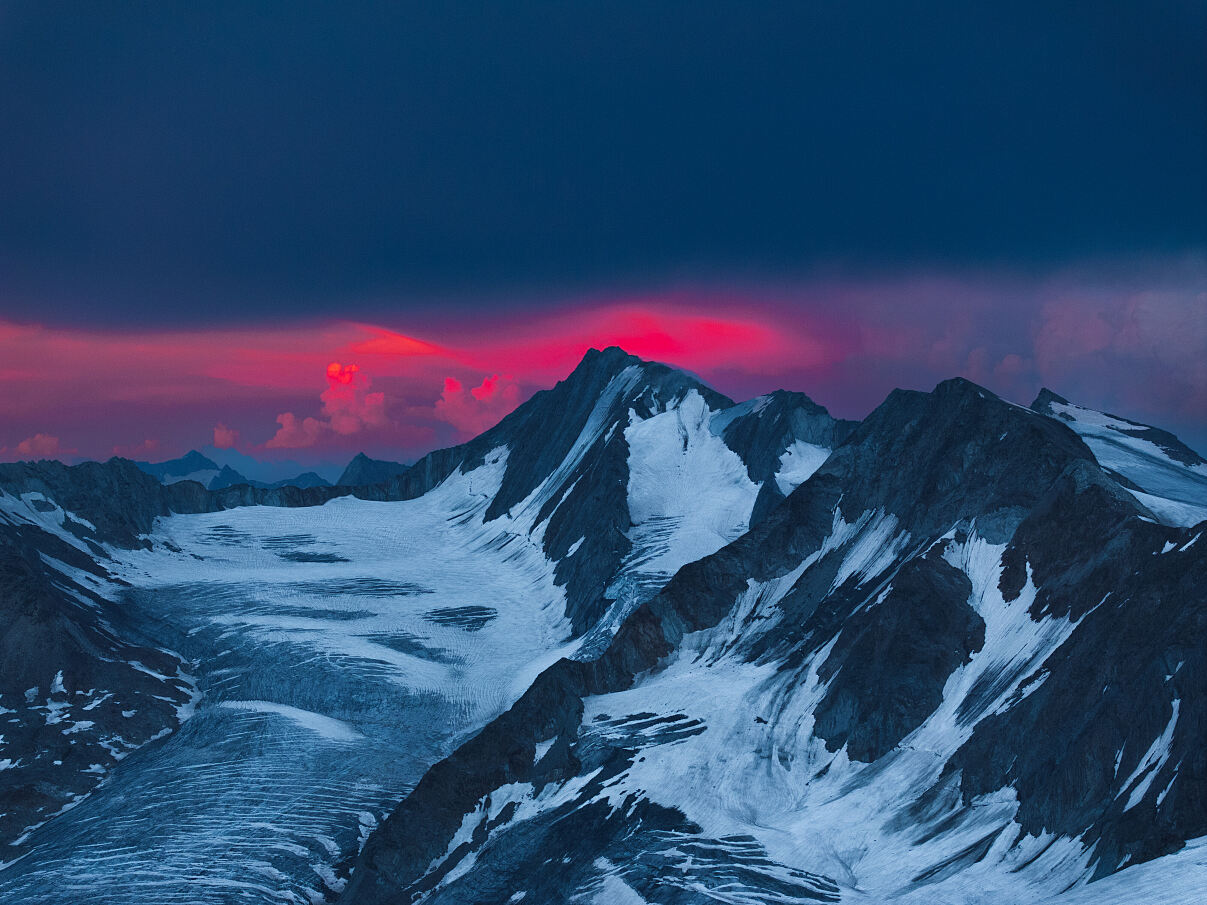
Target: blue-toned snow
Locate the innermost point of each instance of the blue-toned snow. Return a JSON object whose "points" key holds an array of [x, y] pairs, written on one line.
{"points": [[328, 688]]}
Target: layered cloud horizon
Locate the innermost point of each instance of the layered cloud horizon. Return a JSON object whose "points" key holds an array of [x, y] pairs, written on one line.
{"points": [[308, 391]]}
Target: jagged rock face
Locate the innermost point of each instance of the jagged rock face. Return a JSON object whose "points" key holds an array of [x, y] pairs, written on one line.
{"points": [[885, 673], [363, 470], [1121, 708], [783, 437], [909, 678], [228, 477], [77, 692]]}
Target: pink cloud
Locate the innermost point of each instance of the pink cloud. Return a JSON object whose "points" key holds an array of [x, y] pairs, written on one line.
{"points": [[348, 408], [225, 437], [1131, 342], [347, 404], [39, 446], [481, 407], [295, 432]]}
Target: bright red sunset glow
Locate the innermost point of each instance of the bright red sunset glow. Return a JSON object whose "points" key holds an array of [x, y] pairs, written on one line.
{"points": [[323, 391]]}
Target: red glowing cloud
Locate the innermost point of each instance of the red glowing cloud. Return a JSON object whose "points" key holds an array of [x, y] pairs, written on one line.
{"points": [[347, 403], [1132, 348], [348, 408], [296, 433], [481, 408], [669, 329]]}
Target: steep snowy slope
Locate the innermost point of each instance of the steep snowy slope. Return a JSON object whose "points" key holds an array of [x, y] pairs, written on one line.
{"points": [[959, 664], [1165, 475]]}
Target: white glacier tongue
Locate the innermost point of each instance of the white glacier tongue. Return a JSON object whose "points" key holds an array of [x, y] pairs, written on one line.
{"points": [[341, 650], [689, 493]]}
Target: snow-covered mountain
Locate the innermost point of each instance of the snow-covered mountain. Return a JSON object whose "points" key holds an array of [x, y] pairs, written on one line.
{"points": [[192, 466], [636, 643], [960, 663], [79, 687]]}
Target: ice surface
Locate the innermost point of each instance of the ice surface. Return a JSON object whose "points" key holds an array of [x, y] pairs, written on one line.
{"points": [[686, 488], [325, 726], [327, 689], [798, 463], [688, 495]]}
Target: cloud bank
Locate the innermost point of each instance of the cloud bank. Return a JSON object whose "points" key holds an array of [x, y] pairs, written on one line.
{"points": [[1132, 341]]}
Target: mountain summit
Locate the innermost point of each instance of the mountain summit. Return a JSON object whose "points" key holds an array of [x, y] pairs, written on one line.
{"points": [[363, 470]]}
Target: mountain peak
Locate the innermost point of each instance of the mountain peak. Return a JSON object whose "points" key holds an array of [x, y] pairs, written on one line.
{"points": [[196, 461], [962, 387], [364, 470], [1044, 401], [611, 359], [191, 463]]}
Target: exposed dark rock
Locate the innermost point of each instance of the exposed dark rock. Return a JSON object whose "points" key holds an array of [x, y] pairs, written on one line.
{"points": [[892, 658], [76, 693], [363, 470], [228, 477], [1109, 693]]}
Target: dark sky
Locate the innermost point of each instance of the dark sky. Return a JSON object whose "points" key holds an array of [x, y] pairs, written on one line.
{"points": [[208, 209], [253, 161]]}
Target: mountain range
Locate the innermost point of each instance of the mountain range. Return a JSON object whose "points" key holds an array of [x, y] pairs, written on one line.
{"points": [[193, 466], [638, 642]]}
